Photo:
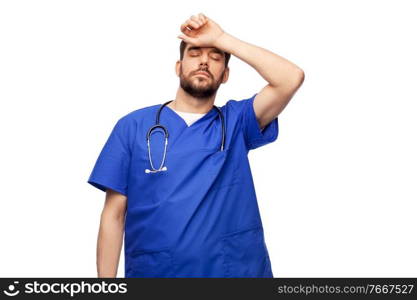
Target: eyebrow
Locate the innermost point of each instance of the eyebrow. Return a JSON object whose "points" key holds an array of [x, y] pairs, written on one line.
{"points": [[198, 48]]}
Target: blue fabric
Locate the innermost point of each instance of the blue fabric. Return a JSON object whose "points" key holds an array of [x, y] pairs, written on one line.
{"points": [[200, 218]]}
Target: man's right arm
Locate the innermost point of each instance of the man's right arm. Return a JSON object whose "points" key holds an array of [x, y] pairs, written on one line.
{"points": [[110, 236]]}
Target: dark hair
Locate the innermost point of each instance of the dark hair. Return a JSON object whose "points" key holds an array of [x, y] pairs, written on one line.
{"points": [[184, 44]]}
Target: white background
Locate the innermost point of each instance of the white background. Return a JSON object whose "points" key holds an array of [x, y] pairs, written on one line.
{"points": [[337, 190]]}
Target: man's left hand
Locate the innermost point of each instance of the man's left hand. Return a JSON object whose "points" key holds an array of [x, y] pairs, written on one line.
{"points": [[200, 31]]}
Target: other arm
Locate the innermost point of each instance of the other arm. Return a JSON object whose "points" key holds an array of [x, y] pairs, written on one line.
{"points": [[110, 237]]}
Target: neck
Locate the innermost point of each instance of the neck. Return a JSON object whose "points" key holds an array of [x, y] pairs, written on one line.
{"points": [[186, 103]]}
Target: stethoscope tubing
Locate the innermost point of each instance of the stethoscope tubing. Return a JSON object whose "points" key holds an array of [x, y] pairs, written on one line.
{"points": [[166, 134]]}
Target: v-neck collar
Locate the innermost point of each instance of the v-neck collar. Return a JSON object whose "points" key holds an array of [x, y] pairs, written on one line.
{"points": [[173, 112]]}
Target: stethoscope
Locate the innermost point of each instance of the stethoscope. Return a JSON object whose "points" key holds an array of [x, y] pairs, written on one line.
{"points": [[157, 125]]}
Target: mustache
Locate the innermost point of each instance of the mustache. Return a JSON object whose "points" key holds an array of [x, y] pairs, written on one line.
{"points": [[203, 70]]}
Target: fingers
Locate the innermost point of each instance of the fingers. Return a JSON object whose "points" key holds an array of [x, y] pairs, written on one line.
{"points": [[185, 27], [197, 20], [203, 17], [194, 22], [189, 25]]}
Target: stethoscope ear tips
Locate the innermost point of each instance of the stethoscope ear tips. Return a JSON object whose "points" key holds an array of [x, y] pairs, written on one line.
{"points": [[147, 171], [164, 169]]}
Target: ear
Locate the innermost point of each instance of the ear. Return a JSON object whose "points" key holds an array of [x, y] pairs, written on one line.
{"points": [[177, 67], [225, 75]]}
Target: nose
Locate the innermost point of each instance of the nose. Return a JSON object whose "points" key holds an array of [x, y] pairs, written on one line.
{"points": [[203, 67], [203, 58]]}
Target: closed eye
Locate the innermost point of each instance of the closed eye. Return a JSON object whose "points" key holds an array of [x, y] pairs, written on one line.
{"points": [[194, 53]]}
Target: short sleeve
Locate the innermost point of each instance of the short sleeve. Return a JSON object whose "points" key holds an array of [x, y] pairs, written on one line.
{"points": [[111, 169], [254, 136]]}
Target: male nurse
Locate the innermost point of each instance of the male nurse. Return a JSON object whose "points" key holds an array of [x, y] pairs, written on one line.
{"points": [[199, 217]]}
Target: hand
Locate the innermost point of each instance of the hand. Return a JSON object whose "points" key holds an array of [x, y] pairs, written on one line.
{"points": [[200, 31]]}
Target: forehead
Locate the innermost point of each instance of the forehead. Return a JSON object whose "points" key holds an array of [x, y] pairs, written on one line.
{"points": [[209, 49]]}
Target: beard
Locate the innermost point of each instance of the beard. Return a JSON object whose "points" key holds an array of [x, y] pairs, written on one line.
{"points": [[203, 89]]}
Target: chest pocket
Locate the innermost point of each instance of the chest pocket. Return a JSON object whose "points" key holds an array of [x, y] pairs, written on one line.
{"points": [[224, 168]]}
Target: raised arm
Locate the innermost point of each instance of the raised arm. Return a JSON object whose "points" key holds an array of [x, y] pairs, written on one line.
{"points": [[283, 77]]}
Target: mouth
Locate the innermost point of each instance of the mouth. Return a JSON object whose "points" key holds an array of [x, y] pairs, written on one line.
{"points": [[202, 73]]}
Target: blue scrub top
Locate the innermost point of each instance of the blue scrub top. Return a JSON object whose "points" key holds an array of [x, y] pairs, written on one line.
{"points": [[200, 218]]}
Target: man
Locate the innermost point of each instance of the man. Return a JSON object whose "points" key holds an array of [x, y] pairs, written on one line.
{"points": [[188, 208]]}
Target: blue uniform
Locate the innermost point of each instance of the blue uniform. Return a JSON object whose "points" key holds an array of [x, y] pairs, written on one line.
{"points": [[200, 218]]}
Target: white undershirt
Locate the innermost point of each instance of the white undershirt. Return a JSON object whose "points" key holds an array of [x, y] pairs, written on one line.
{"points": [[189, 118]]}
